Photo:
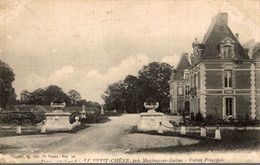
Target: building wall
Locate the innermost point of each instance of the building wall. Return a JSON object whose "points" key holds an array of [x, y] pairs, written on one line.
{"points": [[242, 79], [214, 79], [257, 85], [243, 105], [213, 103], [257, 72], [258, 105], [173, 98], [215, 92], [177, 100], [194, 105]]}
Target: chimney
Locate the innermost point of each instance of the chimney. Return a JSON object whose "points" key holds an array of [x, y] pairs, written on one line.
{"points": [[186, 55], [237, 36], [221, 18]]}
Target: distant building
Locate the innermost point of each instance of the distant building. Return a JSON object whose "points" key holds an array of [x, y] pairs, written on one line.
{"points": [[224, 80], [180, 87]]}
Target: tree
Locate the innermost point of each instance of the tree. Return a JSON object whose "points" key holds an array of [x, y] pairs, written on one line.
{"points": [[129, 91], [74, 96], [44, 96], [154, 84], [113, 96], [88, 104], [26, 97], [38, 96], [53, 93], [7, 92]]}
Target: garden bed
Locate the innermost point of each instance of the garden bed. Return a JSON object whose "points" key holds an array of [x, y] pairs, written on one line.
{"points": [[231, 140]]}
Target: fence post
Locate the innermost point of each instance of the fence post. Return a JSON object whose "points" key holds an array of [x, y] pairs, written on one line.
{"points": [[173, 128], [217, 133], [18, 129], [43, 129], [203, 132], [160, 130], [183, 130]]}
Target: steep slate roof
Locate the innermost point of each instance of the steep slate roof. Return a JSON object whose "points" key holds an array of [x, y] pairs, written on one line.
{"points": [[183, 64], [256, 52], [216, 33], [251, 46]]}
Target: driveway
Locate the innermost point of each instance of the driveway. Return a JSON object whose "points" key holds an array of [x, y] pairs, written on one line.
{"points": [[98, 138]]}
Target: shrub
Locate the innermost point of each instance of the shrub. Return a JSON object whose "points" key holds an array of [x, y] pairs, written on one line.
{"points": [[179, 111], [192, 117], [173, 122], [94, 118], [199, 117], [210, 120]]}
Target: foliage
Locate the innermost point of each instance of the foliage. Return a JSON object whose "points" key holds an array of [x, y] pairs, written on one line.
{"points": [[7, 92], [192, 117], [45, 96], [131, 93], [21, 118], [113, 96], [199, 117], [154, 84], [88, 104], [54, 93], [91, 118], [74, 96]]}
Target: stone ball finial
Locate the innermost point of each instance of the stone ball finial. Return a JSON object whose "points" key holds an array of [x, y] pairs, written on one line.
{"points": [[195, 43]]}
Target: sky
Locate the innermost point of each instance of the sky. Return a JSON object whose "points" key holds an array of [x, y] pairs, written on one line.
{"points": [[86, 45]]}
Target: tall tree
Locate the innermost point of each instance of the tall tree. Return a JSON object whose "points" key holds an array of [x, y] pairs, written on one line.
{"points": [[113, 96], [53, 93], [7, 92], [44, 96], [154, 84], [26, 97], [38, 96], [74, 96], [129, 91]]}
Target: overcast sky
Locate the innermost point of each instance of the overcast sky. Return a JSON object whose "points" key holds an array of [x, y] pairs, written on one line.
{"points": [[86, 45]]}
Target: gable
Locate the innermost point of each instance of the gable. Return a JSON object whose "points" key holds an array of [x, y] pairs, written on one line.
{"points": [[220, 32], [183, 64]]}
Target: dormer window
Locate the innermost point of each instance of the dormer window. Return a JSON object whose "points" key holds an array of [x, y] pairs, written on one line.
{"points": [[186, 75], [227, 48]]}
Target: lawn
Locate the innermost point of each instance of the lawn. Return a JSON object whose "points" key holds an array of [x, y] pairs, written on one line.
{"points": [[32, 130], [230, 141]]}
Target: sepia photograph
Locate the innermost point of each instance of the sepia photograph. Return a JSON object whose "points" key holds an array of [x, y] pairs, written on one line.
{"points": [[129, 81]]}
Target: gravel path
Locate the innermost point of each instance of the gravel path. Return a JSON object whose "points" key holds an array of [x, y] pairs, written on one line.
{"points": [[112, 136], [138, 141]]}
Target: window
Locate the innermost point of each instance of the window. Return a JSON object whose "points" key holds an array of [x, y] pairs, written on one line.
{"points": [[228, 79], [195, 80], [229, 106], [186, 75], [187, 90]]}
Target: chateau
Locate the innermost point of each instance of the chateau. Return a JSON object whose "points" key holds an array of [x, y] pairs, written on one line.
{"points": [[224, 77], [180, 86]]}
